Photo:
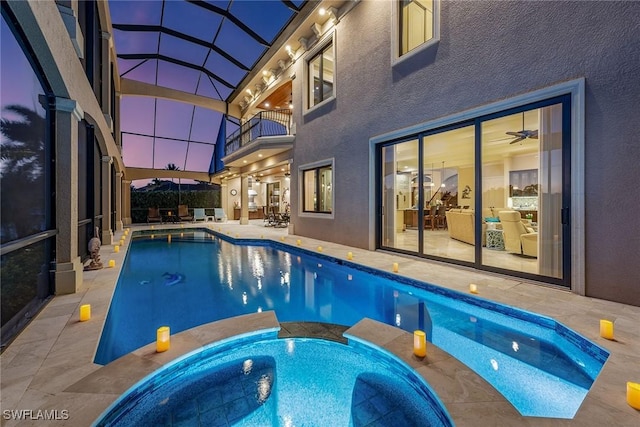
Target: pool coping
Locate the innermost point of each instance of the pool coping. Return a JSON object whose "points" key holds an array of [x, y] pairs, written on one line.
{"points": [[56, 350]]}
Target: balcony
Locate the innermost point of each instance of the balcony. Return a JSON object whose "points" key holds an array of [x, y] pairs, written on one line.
{"points": [[266, 134]]}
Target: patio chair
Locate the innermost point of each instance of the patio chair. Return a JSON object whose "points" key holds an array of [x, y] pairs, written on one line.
{"points": [[183, 213], [219, 215], [154, 215], [198, 214]]}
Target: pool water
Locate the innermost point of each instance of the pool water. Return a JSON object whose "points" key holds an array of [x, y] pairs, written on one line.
{"points": [[269, 381], [198, 278]]}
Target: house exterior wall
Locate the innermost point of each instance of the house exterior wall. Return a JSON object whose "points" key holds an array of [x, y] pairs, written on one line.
{"points": [[488, 51]]}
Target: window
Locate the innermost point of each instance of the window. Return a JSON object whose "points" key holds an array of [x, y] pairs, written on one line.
{"points": [[27, 229], [317, 189], [321, 72], [417, 24]]}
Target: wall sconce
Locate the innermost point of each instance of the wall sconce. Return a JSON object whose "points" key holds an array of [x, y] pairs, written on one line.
{"points": [[290, 52], [163, 339]]}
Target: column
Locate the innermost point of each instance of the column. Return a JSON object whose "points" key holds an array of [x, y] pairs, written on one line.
{"points": [[126, 202], [118, 197], [68, 274], [106, 235], [105, 39], [117, 134], [244, 200], [224, 200]]}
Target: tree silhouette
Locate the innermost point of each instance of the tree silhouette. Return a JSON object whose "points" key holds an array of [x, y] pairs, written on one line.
{"points": [[22, 172], [173, 167]]}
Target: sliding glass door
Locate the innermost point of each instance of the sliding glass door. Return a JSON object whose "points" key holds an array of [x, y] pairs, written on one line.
{"points": [[401, 197], [522, 191], [449, 166], [491, 193]]}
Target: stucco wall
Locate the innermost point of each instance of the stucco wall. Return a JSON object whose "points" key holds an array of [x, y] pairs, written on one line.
{"points": [[489, 51]]}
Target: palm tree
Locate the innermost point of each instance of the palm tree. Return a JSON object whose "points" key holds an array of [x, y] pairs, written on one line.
{"points": [[173, 167], [22, 163]]}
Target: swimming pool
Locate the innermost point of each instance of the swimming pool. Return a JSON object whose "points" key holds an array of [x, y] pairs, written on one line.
{"points": [[261, 380], [199, 277]]}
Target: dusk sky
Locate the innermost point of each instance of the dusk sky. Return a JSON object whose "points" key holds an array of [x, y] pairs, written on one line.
{"points": [[213, 54], [158, 132]]}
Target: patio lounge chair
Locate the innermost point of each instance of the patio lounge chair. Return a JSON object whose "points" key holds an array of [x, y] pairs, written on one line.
{"points": [[219, 215], [198, 214], [183, 213], [154, 215]]}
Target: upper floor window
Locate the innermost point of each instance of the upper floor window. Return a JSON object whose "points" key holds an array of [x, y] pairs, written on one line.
{"points": [[321, 74], [417, 25], [317, 189]]}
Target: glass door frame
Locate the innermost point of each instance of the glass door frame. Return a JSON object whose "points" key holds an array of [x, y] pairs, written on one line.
{"points": [[565, 101]]}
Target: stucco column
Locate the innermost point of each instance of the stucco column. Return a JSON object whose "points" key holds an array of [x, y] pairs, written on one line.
{"points": [[126, 201], [68, 274], [117, 135], [224, 199], [105, 39], [118, 198], [244, 200], [106, 235]]}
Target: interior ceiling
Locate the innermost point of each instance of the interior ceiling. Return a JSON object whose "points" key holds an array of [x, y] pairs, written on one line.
{"points": [[279, 99], [206, 48], [455, 147]]}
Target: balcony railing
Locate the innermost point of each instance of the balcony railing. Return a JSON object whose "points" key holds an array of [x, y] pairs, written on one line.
{"points": [[265, 123]]}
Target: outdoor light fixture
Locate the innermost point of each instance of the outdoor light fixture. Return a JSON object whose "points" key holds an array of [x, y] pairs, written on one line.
{"points": [[419, 343], [606, 329], [85, 312], [633, 395], [163, 339]]}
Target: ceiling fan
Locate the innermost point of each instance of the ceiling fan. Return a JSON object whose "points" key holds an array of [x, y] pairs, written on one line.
{"points": [[523, 134]]}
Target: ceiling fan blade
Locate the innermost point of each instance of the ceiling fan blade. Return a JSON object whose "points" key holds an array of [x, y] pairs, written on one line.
{"points": [[518, 134], [518, 139], [534, 134], [501, 139]]}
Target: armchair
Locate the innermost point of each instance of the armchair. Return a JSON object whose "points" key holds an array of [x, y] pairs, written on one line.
{"points": [[183, 213], [517, 237], [154, 215]]}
